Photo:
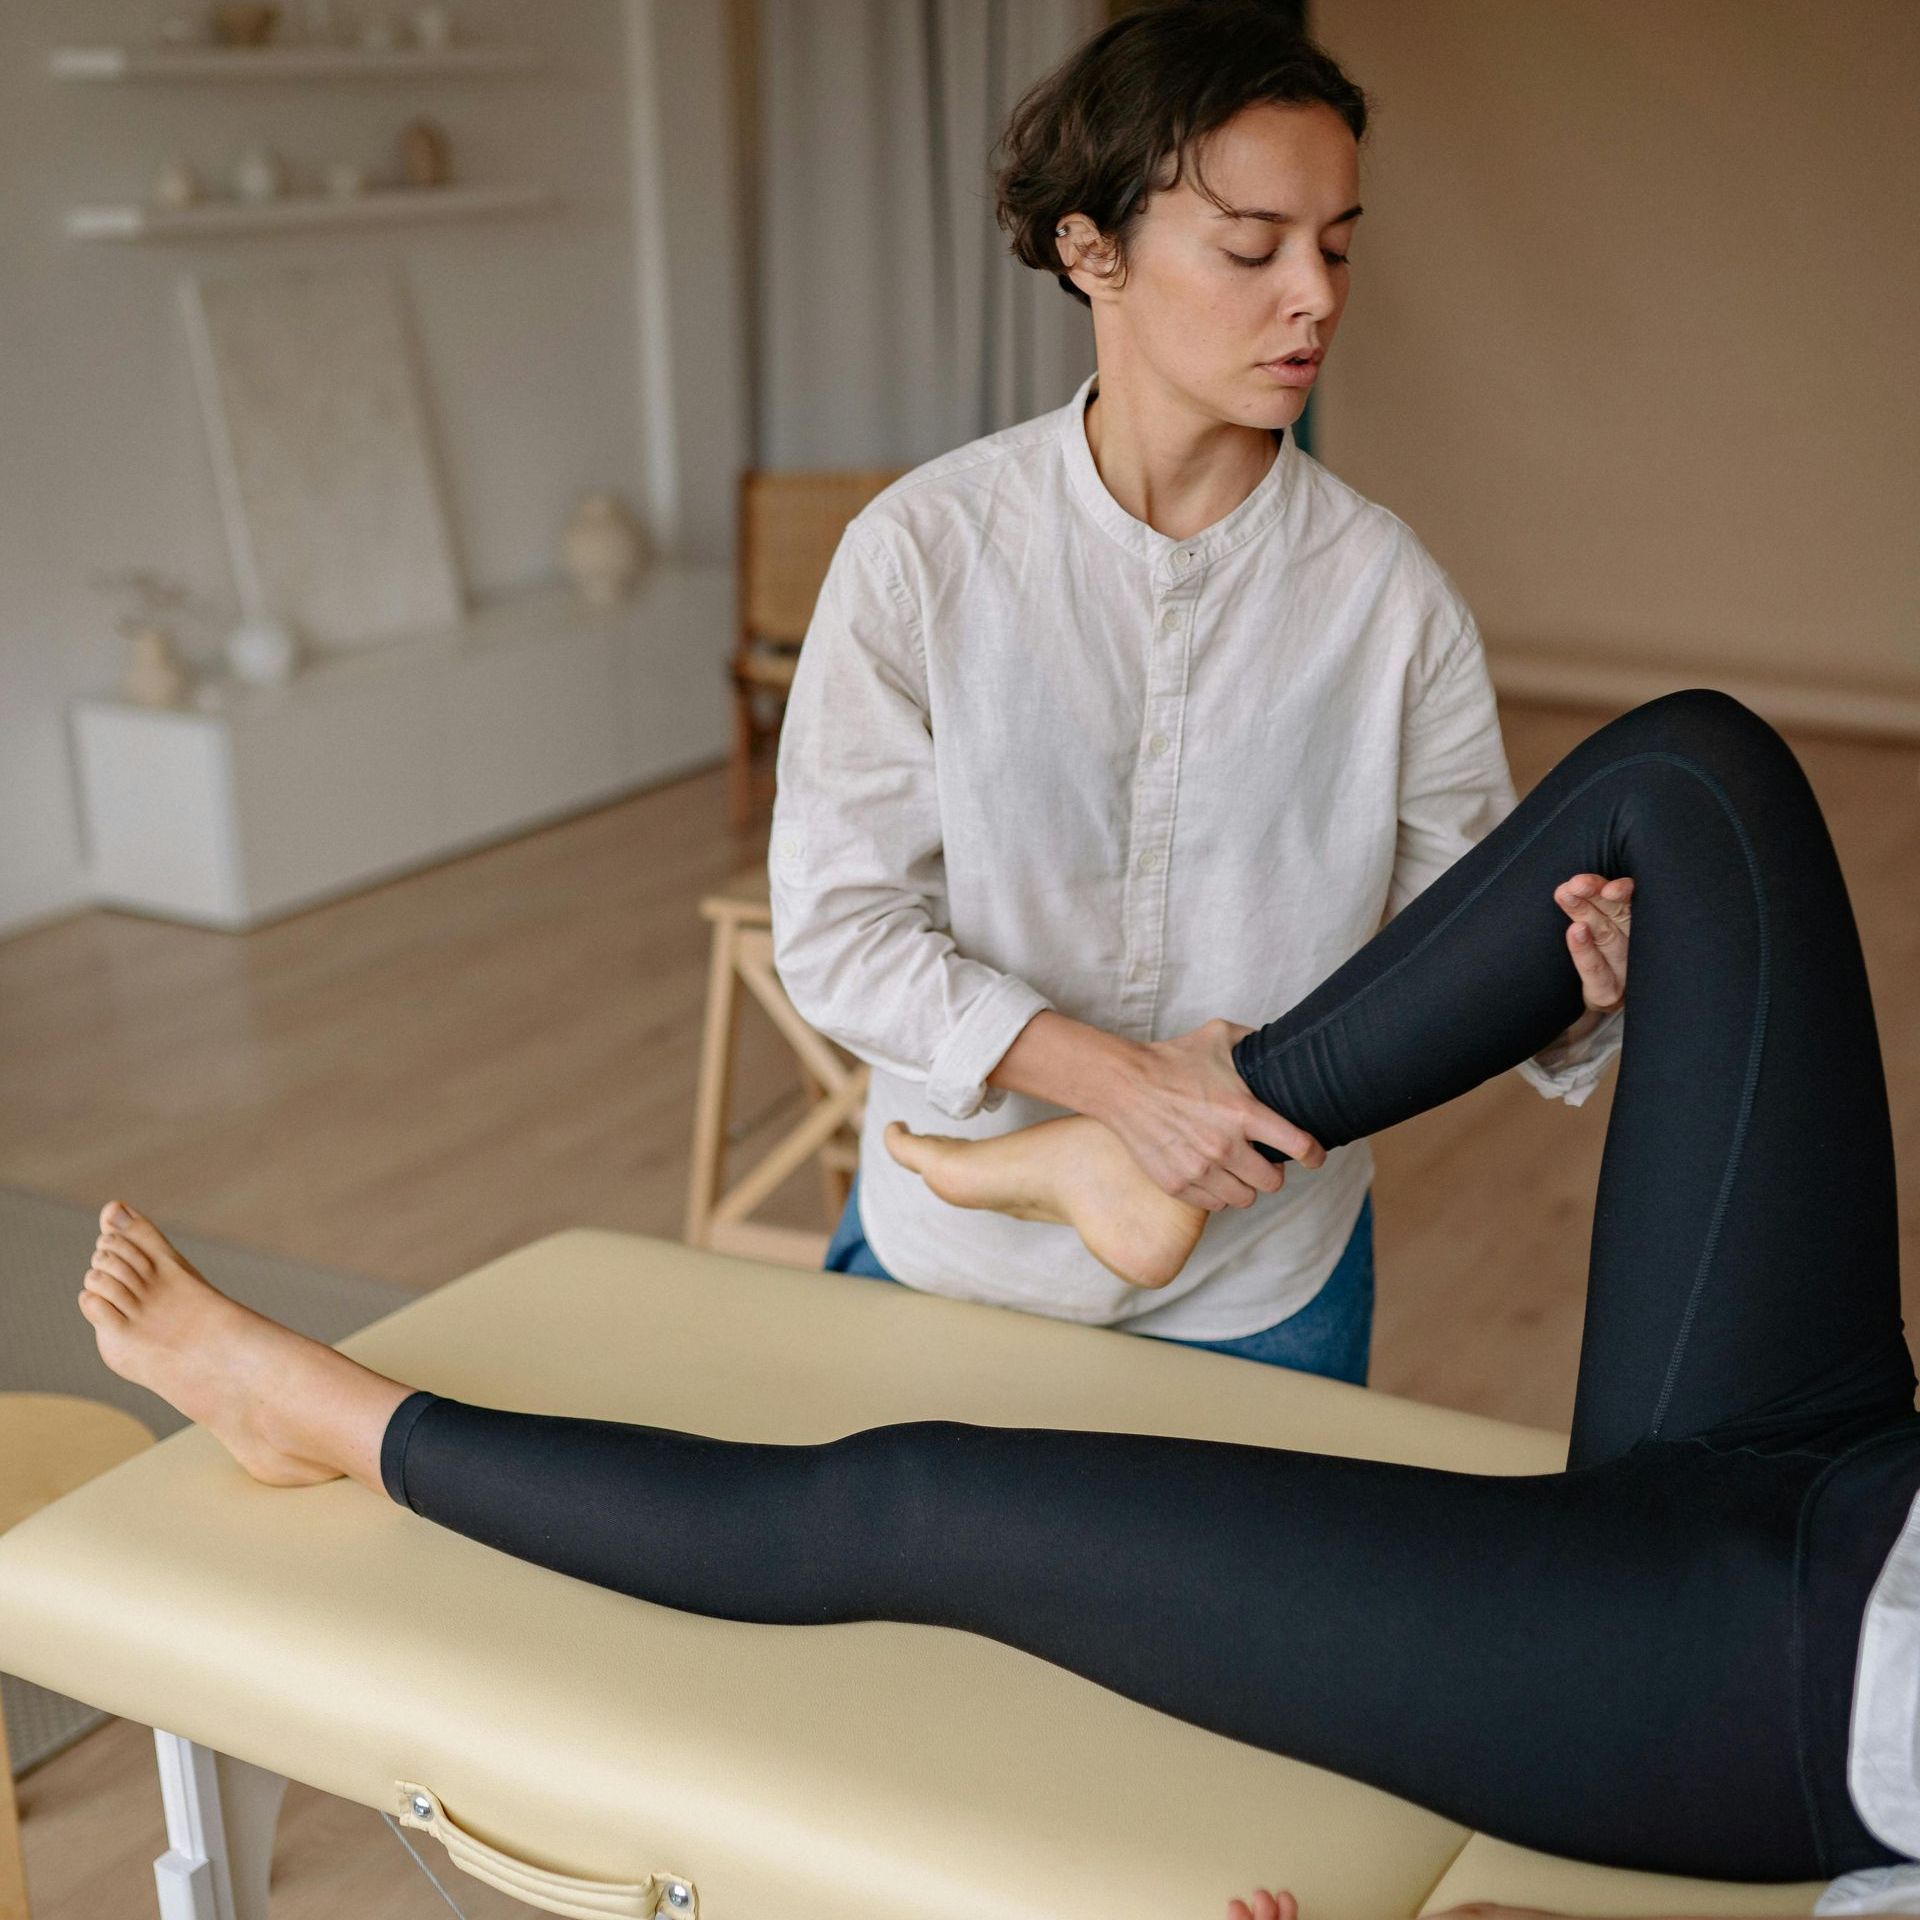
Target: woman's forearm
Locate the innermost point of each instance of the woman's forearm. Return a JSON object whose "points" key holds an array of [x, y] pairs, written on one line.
{"points": [[1067, 1062]]}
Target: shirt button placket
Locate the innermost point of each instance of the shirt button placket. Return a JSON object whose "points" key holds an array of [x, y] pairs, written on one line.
{"points": [[1154, 789]]}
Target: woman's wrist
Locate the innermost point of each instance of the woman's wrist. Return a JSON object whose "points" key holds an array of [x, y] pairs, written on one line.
{"points": [[1062, 1060], [1572, 1041]]}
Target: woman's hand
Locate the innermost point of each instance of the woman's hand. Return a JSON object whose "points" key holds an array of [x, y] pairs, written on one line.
{"points": [[1280, 1905], [1186, 1116], [1602, 914]]}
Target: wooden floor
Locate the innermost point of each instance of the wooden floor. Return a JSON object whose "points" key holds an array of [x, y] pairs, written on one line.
{"points": [[409, 1082]]}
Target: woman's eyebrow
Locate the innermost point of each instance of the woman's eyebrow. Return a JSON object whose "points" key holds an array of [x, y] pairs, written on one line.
{"points": [[1281, 219]]}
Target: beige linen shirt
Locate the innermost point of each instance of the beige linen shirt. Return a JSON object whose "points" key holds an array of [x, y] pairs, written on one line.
{"points": [[1038, 754]]}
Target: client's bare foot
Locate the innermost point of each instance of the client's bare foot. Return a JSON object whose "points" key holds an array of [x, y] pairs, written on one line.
{"points": [[291, 1411], [1072, 1171]]}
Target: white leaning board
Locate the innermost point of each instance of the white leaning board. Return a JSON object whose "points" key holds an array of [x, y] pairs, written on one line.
{"points": [[320, 448], [385, 760]]}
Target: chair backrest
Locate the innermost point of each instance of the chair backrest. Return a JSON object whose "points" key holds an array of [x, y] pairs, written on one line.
{"points": [[790, 524]]}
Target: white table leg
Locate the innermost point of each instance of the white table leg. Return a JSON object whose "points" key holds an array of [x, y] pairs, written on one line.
{"points": [[221, 1816]]}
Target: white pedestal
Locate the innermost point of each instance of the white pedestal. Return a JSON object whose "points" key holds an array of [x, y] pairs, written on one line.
{"points": [[373, 763]]}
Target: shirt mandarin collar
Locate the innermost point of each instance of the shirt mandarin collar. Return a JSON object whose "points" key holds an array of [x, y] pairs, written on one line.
{"points": [[1253, 515]]}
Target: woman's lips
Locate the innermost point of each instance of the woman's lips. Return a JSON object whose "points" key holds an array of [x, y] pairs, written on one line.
{"points": [[1289, 374]]}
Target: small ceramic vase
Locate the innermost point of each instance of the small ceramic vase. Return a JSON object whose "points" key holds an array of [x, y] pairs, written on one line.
{"points": [[244, 25], [263, 653], [425, 154], [176, 185], [259, 175], [154, 676], [602, 549]]}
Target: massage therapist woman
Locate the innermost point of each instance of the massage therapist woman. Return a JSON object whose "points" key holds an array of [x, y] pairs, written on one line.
{"points": [[1118, 728]]}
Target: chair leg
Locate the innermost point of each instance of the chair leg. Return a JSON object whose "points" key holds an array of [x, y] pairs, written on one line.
{"points": [[712, 1094], [13, 1864], [740, 761]]}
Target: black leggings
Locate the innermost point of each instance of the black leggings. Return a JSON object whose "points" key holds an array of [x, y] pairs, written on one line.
{"points": [[1646, 1660]]}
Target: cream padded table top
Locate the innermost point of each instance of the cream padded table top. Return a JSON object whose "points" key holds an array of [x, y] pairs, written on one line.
{"points": [[874, 1771]]}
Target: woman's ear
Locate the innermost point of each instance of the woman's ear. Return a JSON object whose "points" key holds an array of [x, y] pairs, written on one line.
{"points": [[1083, 247]]}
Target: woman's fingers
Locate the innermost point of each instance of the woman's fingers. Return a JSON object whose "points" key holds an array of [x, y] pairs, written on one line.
{"points": [[1262, 1123], [1602, 985], [1279, 1905], [1605, 906], [1601, 912], [1226, 1188]]}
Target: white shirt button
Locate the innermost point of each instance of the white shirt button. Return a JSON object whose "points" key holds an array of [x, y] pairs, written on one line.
{"points": [[1170, 621], [1182, 558], [1149, 863], [1158, 744], [790, 845]]}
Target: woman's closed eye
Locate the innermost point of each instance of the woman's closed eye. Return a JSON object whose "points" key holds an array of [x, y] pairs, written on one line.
{"points": [[1260, 260]]}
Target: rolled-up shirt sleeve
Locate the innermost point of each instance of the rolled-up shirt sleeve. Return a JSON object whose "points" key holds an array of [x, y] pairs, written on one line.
{"points": [[1455, 788], [855, 866]]}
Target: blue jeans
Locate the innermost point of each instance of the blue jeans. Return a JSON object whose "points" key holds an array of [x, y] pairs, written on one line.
{"points": [[1332, 1334]]}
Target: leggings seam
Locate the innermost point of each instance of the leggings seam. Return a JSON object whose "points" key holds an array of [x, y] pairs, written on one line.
{"points": [[1761, 998], [1797, 1657], [1755, 1046], [1763, 1453]]}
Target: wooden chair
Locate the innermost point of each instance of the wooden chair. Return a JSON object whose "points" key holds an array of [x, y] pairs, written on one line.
{"points": [[836, 1085], [50, 1443], [790, 524]]}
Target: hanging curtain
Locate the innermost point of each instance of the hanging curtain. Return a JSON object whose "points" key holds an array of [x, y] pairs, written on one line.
{"points": [[890, 321]]}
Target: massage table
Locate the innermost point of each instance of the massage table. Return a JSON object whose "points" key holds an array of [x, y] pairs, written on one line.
{"points": [[596, 1755]]}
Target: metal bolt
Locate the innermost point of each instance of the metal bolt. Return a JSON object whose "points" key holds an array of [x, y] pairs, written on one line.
{"points": [[420, 1805], [679, 1895]]}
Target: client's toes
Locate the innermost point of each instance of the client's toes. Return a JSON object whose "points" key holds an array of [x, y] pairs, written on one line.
{"points": [[134, 1258], [116, 1217], [918, 1151]]}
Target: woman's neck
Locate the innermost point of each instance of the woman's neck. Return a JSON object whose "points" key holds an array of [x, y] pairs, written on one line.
{"points": [[1174, 470]]}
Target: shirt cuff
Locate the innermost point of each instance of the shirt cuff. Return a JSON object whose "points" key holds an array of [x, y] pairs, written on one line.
{"points": [[1570, 1072], [957, 1080]]}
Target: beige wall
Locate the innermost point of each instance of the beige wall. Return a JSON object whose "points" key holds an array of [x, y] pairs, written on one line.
{"points": [[1634, 335]]}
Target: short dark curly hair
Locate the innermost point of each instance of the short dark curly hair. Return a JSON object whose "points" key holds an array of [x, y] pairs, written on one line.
{"points": [[1094, 135]]}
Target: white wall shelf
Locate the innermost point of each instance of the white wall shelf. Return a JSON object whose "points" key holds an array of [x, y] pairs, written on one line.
{"points": [[394, 756], [378, 206], [286, 63]]}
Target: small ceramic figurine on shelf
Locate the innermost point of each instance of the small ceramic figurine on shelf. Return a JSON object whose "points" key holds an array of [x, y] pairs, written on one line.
{"points": [[426, 154], [603, 548], [176, 185], [432, 28], [259, 175], [154, 675], [244, 25], [263, 653]]}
